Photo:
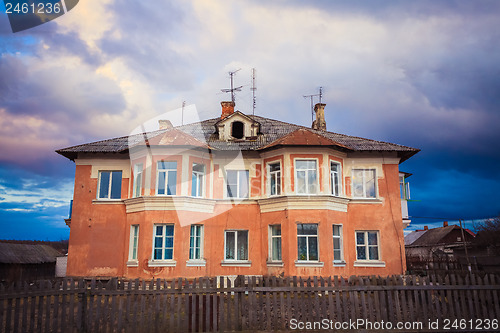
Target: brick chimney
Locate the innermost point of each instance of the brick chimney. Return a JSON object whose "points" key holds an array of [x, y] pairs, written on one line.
{"points": [[165, 124], [227, 109], [319, 123], [445, 223], [426, 227]]}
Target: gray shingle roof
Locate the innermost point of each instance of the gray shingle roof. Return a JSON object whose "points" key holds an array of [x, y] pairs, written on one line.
{"points": [[27, 253], [205, 131]]}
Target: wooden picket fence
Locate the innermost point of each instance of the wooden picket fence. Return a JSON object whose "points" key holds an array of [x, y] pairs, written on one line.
{"points": [[247, 303]]}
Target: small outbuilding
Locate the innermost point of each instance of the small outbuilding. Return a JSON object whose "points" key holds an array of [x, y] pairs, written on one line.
{"points": [[25, 262]]}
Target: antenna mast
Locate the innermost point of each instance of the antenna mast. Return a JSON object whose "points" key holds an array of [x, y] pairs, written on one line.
{"points": [[320, 95], [253, 91], [232, 90], [182, 112]]}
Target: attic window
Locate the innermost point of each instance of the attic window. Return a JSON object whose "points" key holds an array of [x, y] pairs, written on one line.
{"points": [[237, 130]]}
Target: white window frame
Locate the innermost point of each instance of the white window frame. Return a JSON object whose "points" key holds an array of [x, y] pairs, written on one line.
{"points": [[307, 243], [109, 184], [167, 171], [271, 238], [363, 183], [163, 261], [200, 179], [276, 175], [137, 186], [340, 237], [238, 184], [236, 260], [198, 233], [133, 246], [306, 177], [336, 175], [366, 245]]}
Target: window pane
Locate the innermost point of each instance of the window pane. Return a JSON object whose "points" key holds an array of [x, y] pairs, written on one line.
{"points": [[242, 245], [116, 185], [276, 230], [157, 254], [243, 175], [301, 165], [169, 241], [312, 182], [172, 182], [194, 185], [273, 184], [301, 182], [199, 168], [336, 230], [302, 248], [276, 248], [313, 248], [361, 252], [307, 229], [336, 243], [158, 242], [274, 167], [370, 183], [230, 244], [169, 254], [232, 190], [373, 252], [169, 230], [278, 184], [104, 184], [337, 255], [167, 165], [372, 238], [161, 183], [232, 177], [360, 238]]}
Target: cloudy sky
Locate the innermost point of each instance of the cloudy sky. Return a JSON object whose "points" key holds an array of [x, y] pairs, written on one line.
{"points": [[420, 73]]}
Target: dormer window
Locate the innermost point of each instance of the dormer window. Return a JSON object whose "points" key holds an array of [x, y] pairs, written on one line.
{"points": [[237, 130]]}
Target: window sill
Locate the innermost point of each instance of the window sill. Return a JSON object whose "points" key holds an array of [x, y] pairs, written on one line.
{"points": [[339, 263], [299, 263], [133, 263], [161, 263], [369, 263], [275, 264], [108, 201], [238, 263], [196, 263], [366, 200]]}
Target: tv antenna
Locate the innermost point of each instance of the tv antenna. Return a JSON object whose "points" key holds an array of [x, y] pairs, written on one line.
{"points": [[182, 112], [253, 91], [320, 95], [232, 90]]}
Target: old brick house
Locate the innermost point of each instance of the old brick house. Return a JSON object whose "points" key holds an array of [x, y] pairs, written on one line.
{"points": [[237, 194]]}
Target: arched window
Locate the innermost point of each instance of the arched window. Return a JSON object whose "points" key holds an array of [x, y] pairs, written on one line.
{"points": [[237, 130]]}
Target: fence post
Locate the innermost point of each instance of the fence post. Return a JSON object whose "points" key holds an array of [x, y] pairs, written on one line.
{"points": [[82, 298]]}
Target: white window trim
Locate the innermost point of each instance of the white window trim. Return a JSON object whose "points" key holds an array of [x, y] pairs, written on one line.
{"points": [[367, 262], [226, 193], [271, 174], [162, 262], [307, 261], [339, 177], [340, 262], [270, 260], [295, 175], [364, 183], [198, 176], [202, 243], [228, 262], [138, 172], [131, 261], [109, 186], [158, 170]]}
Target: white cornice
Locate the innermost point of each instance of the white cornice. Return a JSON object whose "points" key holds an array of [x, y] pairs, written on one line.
{"points": [[169, 203], [328, 202]]}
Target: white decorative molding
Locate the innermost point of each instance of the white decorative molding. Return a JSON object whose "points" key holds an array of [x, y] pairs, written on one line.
{"points": [[365, 201], [369, 263], [161, 263], [107, 202], [169, 203], [237, 263], [133, 263], [299, 263], [196, 263], [290, 202], [275, 264], [339, 263]]}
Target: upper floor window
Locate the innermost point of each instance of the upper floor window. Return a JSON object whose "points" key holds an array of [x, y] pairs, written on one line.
{"points": [[236, 245], [367, 247], [137, 189], [306, 176], [335, 178], [237, 183], [134, 242], [307, 242], [338, 255], [166, 178], [163, 245], [237, 129], [196, 242], [275, 242], [274, 178], [110, 185], [363, 183], [198, 176]]}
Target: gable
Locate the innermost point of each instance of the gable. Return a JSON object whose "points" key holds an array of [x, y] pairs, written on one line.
{"points": [[237, 126], [305, 137]]}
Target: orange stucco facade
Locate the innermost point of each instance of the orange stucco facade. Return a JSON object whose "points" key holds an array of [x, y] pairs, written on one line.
{"points": [[101, 242]]}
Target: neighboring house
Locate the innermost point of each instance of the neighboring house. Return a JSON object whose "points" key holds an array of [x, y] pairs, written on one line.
{"points": [[438, 243], [26, 262], [237, 194]]}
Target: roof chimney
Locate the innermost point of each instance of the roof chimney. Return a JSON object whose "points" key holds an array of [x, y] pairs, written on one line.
{"points": [[445, 223], [426, 227], [319, 123], [165, 124], [227, 109]]}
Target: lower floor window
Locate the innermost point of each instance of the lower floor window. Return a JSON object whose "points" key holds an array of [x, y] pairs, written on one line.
{"points": [[275, 242], [307, 242], [367, 245], [196, 242], [163, 246], [236, 245], [337, 243]]}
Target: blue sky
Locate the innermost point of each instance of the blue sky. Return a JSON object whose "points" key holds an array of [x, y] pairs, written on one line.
{"points": [[420, 73]]}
